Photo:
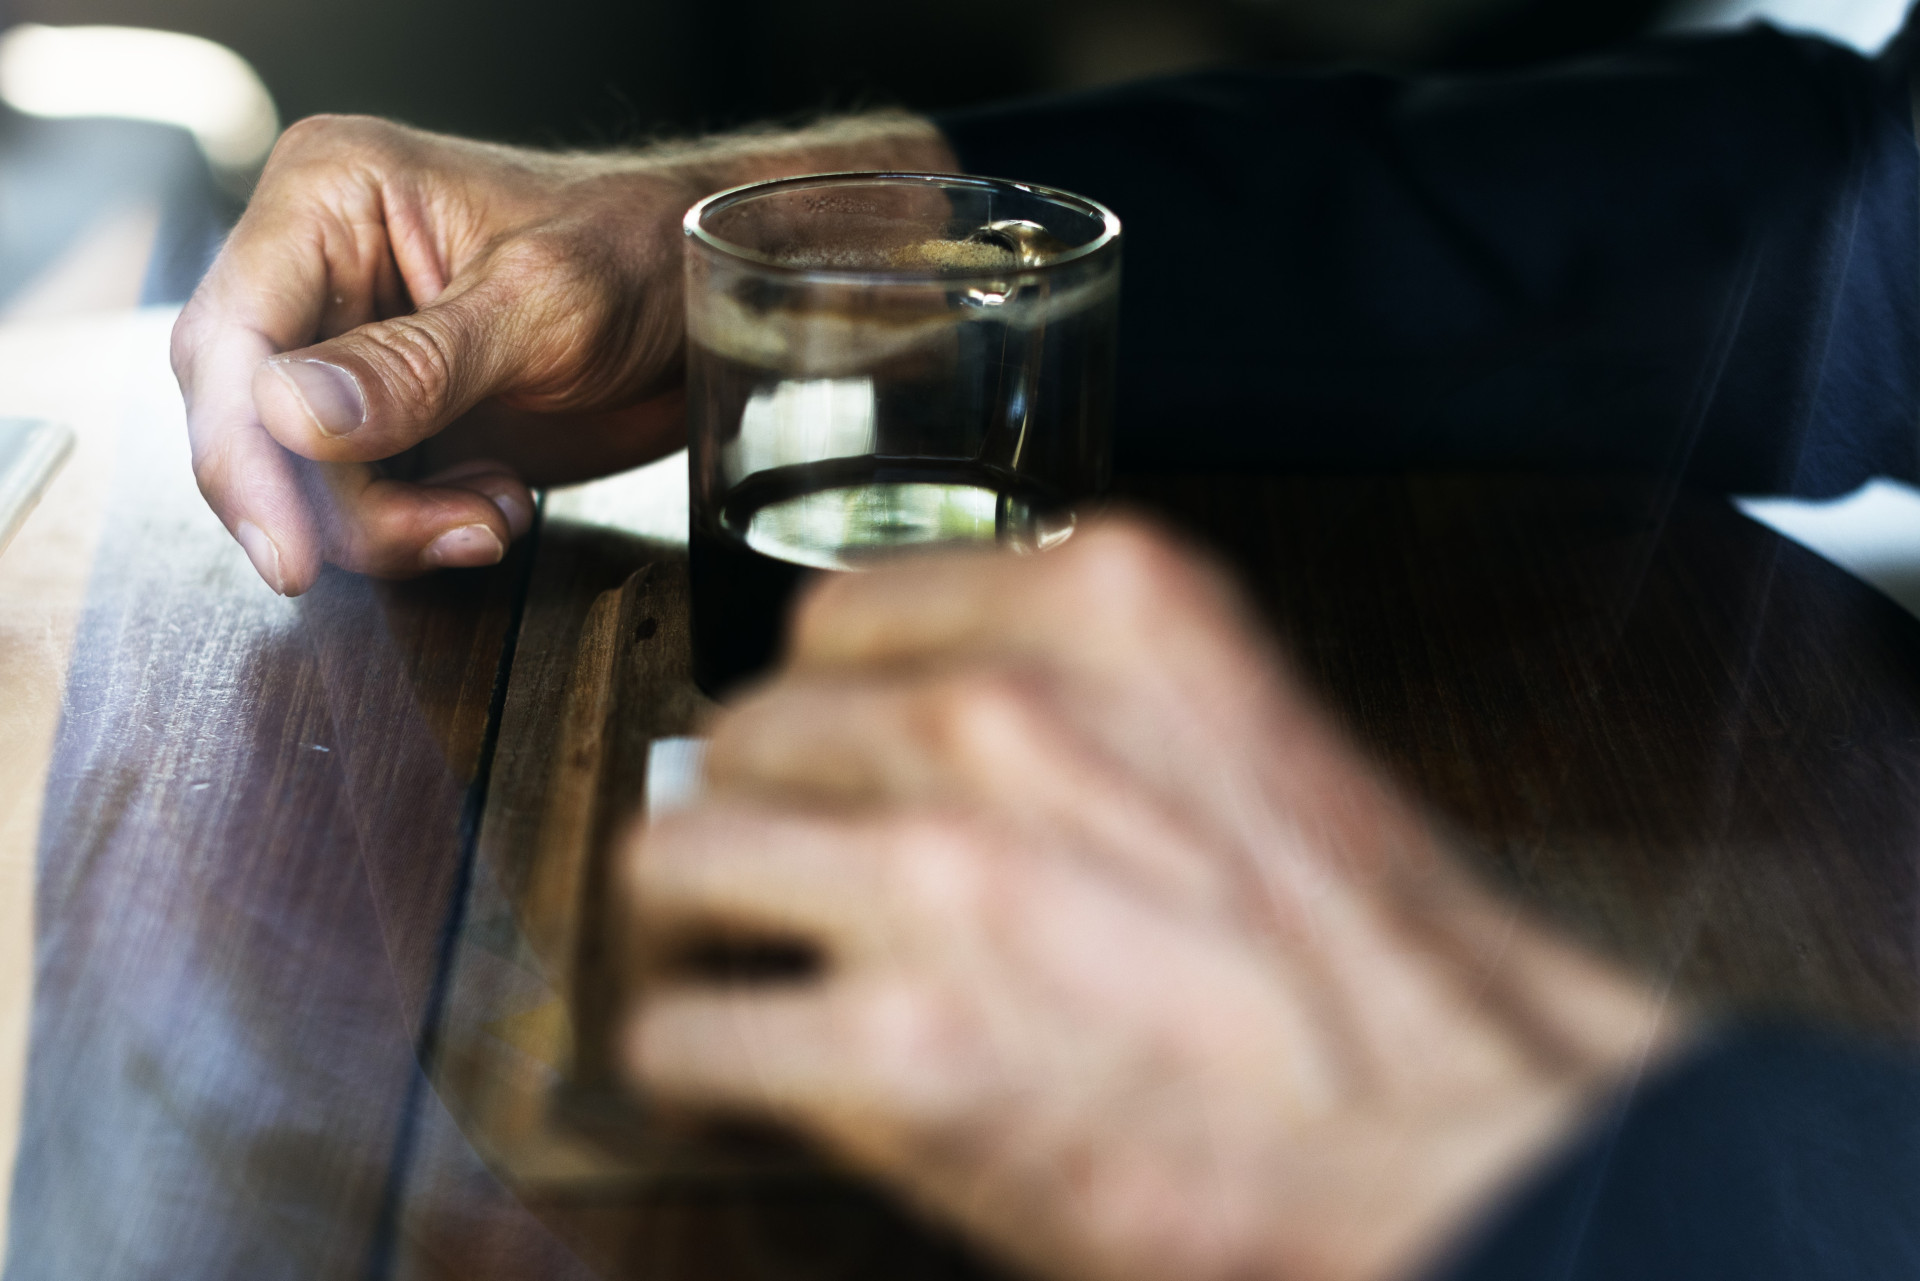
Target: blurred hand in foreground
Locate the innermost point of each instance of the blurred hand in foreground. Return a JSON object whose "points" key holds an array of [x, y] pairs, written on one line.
{"points": [[1130, 965], [386, 284]]}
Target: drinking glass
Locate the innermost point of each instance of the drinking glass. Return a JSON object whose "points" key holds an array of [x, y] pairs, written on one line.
{"points": [[885, 362]]}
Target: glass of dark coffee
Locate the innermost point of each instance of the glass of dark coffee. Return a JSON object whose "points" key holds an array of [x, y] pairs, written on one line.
{"points": [[879, 363]]}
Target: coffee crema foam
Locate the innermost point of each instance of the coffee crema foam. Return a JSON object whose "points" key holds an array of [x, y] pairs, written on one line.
{"points": [[937, 255]]}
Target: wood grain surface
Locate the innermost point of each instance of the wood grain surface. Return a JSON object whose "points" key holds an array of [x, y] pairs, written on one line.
{"points": [[78, 374], [315, 878], [250, 833]]}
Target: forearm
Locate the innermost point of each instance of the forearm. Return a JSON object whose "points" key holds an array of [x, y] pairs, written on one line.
{"points": [[871, 141], [625, 187]]}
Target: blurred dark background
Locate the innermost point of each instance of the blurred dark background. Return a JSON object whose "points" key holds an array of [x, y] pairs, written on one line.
{"points": [[601, 71], [140, 153]]}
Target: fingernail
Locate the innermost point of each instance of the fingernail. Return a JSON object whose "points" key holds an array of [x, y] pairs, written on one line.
{"points": [[519, 516], [464, 547], [495, 482], [330, 395], [262, 552]]}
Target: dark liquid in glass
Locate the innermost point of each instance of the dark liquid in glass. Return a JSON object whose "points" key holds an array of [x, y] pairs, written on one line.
{"points": [[751, 552]]}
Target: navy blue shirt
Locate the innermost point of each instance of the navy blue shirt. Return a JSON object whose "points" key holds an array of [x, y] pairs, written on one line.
{"points": [[1769, 1154], [1694, 255]]}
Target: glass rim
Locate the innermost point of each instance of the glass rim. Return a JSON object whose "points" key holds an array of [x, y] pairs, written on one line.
{"points": [[692, 225]]}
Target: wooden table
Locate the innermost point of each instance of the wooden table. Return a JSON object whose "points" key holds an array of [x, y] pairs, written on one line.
{"points": [[305, 910]]}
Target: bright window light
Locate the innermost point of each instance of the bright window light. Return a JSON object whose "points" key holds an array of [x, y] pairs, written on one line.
{"points": [[140, 74], [1864, 24]]}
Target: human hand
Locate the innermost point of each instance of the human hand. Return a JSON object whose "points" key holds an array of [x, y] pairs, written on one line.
{"points": [[386, 284], [1129, 965]]}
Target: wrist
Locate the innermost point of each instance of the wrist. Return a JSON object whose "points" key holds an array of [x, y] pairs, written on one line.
{"points": [[876, 141], [872, 142]]}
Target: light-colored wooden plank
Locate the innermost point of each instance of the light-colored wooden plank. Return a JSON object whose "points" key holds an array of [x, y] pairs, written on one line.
{"points": [[84, 374]]}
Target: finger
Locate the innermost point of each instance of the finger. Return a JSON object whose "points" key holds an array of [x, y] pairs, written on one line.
{"points": [[779, 1052], [1158, 657], [974, 741], [254, 486], [845, 737], [398, 529], [309, 256], [1117, 584], [864, 1066], [975, 737], [523, 321], [494, 481], [740, 870], [563, 449]]}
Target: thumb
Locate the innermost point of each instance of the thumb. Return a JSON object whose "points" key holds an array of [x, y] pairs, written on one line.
{"points": [[383, 387]]}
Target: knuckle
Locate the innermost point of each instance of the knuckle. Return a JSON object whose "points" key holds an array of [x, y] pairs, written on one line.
{"points": [[207, 478], [1127, 562], [538, 257], [1128, 576], [976, 716], [210, 474], [359, 550], [420, 361], [184, 342], [318, 150], [822, 606], [300, 143], [940, 868], [329, 133], [300, 139], [910, 1036]]}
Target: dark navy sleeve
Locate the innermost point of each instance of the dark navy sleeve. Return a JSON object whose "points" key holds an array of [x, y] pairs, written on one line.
{"points": [[1771, 1155], [1695, 256]]}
